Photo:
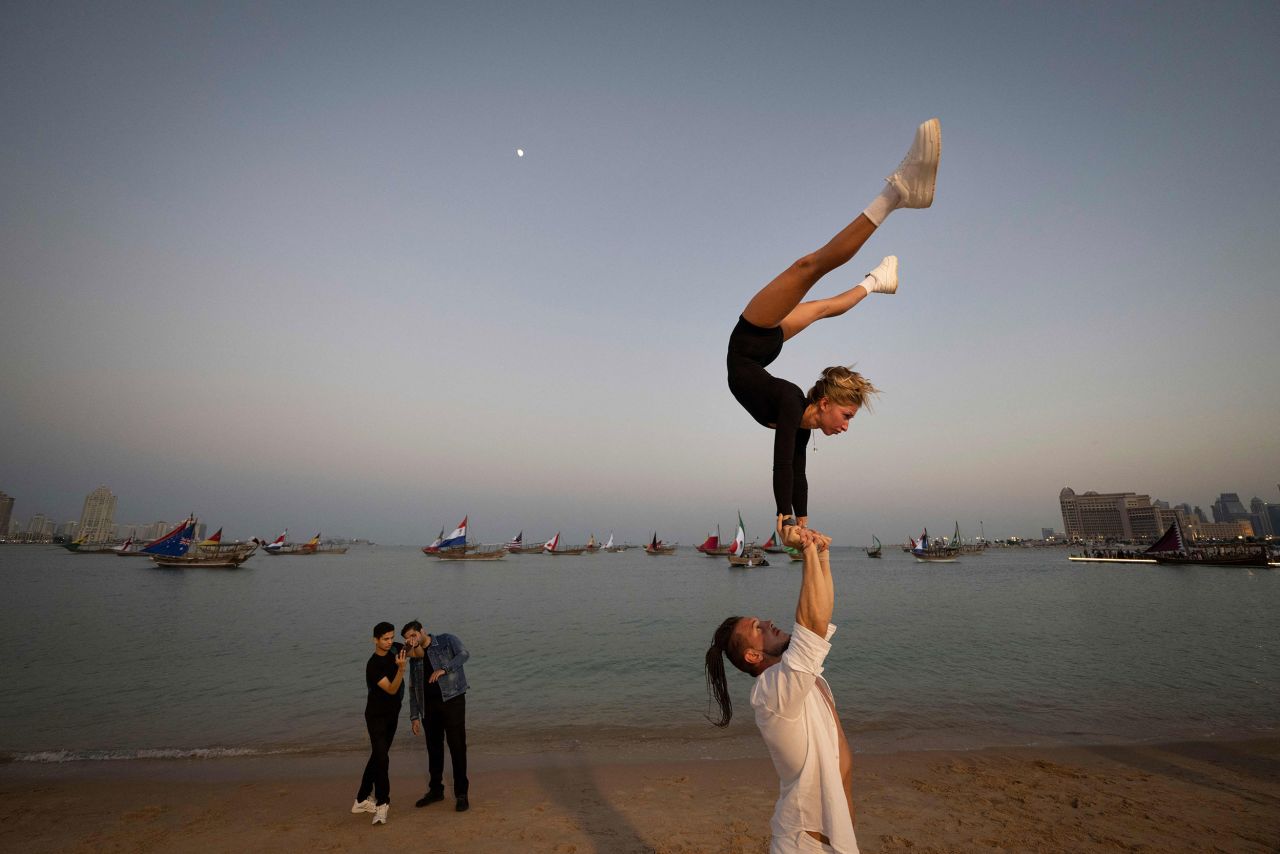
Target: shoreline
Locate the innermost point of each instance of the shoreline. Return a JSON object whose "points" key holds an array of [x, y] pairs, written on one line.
{"points": [[1168, 797], [505, 747]]}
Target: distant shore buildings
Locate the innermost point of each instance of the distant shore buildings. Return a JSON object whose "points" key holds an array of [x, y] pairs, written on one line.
{"points": [[1133, 516]]}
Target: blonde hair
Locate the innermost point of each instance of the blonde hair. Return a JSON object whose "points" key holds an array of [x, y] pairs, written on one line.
{"points": [[843, 387]]}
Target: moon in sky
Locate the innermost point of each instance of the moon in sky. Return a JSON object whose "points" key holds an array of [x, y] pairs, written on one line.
{"points": [[519, 152]]}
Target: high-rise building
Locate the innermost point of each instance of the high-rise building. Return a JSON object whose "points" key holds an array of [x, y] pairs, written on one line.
{"points": [[1258, 516], [67, 530], [1112, 515], [6, 513], [36, 526], [1273, 518], [1228, 508], [97, 519]]}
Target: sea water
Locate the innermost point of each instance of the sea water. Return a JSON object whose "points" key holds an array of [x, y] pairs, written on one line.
{"points": [[114, 658]]}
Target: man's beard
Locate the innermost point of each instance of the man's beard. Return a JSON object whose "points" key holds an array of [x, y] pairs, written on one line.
{"points": [[778, 651]]}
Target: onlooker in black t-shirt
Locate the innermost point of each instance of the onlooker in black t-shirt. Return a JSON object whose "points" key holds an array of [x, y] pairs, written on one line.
{"points": [[384, 676]]}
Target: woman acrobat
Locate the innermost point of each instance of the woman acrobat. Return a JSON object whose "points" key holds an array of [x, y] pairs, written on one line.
{"points": [[778, 312]]}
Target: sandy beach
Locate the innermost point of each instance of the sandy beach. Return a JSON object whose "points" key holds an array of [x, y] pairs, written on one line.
{"points": [[1181, 797]]}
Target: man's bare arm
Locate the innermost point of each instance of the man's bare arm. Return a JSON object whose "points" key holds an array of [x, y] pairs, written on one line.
{"points": [[817, 592], [391, 686]]}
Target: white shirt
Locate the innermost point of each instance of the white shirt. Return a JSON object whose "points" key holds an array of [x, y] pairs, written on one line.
{"points": [[800, 730]]}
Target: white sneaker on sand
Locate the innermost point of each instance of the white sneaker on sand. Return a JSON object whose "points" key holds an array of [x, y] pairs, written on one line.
{"points": [[380, 814], [885, 277], [367, 805], [916, 174]]}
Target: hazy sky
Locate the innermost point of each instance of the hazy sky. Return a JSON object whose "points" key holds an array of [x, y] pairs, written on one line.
{"points": [[279, 264]]}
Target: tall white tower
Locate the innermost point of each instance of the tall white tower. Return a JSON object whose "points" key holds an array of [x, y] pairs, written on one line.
{"points": [[98, 516]]}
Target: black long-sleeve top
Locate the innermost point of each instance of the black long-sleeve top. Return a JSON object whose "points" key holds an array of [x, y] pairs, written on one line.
{"points": [[774, 403]]}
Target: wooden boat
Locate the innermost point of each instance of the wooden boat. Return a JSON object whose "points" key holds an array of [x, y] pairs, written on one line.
{"points": [[310, 547], [222, 558], [455, 543], [1173, 549], [516, 545], [937, 552], [743, 555], [496, 553], [127, 550], [658, 548], [610, 547], [592, 546], [751, 556], [552, 547], [81, 547], [712, 546], [874, 551], [456, 547]]}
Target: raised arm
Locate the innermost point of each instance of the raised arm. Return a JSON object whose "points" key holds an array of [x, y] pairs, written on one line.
{"points": [[817, 593], [788, 478], [391, 686]]}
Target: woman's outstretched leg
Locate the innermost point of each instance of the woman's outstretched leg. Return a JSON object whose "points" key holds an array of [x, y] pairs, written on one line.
{"points": [[776, 299], [910, 186], [883, 279]]}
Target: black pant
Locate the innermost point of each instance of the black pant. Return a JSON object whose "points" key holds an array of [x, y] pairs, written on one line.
{"points": [[382, 730], [441, 721]]}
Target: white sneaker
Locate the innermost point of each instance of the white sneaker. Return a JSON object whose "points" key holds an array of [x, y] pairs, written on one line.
{"points": [[367, 805], [380, 815], [918, 171], [885, 276]]}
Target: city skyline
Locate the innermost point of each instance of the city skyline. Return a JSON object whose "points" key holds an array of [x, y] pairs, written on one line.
{"points": [[286, 268], [155, 528]]}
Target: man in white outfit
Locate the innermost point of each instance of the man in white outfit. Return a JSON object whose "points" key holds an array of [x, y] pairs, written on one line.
{"points": [[794, 708]]}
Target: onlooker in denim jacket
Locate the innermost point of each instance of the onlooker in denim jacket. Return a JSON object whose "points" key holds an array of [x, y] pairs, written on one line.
{"points": [[438, 699]]}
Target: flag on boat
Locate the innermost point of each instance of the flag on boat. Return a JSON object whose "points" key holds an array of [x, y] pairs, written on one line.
{"points": [[740, 538], [126, 545], [923, 545], [458, 537], [609, 544], [176, 542], [517, 541], [278, 544], [214, 540], [550, 545], [1171, 541], [435, 546]]}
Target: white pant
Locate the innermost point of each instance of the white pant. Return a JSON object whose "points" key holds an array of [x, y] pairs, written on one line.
{"points": [[797, 843]]}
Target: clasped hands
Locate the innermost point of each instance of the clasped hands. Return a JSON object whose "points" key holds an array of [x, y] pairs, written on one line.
{"points": [[800, 536]]}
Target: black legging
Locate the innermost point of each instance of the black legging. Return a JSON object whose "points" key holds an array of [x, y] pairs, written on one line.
{"points": [[446, 721], [377, 779]]}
